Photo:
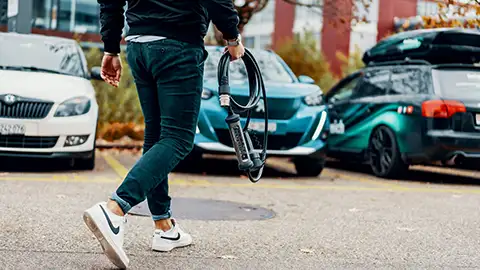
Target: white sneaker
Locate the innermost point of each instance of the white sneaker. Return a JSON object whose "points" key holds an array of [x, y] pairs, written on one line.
{"points": [[109, 229], [174, 238]]}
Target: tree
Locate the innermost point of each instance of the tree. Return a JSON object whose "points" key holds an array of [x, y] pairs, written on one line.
{"points": [[247, 8], [451, 13]]}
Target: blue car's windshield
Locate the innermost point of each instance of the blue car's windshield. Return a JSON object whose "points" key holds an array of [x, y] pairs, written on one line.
{"points": [[271, 68]]}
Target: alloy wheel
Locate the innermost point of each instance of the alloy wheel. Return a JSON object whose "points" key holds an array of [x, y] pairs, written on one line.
{"points": [[381, 151]]}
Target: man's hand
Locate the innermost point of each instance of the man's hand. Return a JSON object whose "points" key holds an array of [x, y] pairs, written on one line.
{"points": [[236, 52], [111, 69]]}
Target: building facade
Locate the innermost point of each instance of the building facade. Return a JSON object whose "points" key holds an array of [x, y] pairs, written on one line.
{"points": [[279, 21]]}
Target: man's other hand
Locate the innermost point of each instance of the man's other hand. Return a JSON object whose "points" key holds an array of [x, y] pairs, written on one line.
{"points": [[236, 52], [111, 69]]}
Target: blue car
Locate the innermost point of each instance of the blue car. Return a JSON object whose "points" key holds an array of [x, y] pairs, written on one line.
{"points": [[298, 120]]}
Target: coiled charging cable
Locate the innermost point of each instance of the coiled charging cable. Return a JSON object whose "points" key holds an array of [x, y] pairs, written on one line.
{"points": [[250, 160]]}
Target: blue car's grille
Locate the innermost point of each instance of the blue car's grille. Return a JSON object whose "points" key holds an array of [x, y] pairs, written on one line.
{"points": [[278, 108], [275, 142]]}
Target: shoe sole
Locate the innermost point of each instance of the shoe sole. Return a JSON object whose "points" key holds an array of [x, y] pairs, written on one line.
{"points": [[170, 248], [106, 243]]}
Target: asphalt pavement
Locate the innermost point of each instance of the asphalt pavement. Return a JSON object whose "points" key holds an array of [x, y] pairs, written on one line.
{"points": [[344, 219]]}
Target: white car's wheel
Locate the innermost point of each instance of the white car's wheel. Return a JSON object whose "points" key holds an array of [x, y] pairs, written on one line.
{"points": [[85, 163]]}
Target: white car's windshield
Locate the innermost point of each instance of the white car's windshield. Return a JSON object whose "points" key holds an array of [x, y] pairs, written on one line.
{"points": [[40, 55], [458, 84], [270, 67]]}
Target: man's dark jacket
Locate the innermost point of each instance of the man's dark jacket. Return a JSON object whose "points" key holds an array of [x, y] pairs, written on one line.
{"points": [[183, 20]]}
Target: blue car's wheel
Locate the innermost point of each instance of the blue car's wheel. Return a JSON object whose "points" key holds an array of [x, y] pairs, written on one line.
{"points": [[190, 163], [309, 167]]}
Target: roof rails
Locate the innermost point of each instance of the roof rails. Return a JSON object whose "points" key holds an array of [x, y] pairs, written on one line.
{"points": [[407, 61]]}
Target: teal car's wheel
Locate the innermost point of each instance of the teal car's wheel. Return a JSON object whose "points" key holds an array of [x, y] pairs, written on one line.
{"points": [[384, 155], [308, 167]]}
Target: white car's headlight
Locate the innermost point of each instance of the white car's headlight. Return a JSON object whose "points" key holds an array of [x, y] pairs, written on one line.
{"points": [[314, 99], [73, 106]]}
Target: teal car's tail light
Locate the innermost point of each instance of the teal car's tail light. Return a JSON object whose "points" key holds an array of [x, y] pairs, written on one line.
{"points": [[74, 106], [206, 94], [314, 99], [442, 108]]}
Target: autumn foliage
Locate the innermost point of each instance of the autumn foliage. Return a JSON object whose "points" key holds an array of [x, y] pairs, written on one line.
{"points": [[451, 13]]}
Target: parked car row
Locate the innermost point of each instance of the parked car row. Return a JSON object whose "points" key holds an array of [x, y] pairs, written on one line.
{"points": [[416, 101]]}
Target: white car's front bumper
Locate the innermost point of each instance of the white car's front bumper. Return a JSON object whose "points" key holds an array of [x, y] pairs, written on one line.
{"points": [[47, 137]]}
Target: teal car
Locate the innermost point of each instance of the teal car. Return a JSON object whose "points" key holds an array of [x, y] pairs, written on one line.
{"points": [[298, 120], [417, 101]]}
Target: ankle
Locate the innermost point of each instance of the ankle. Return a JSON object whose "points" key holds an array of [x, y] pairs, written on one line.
{"points": [[163, 224], [115, 208]]}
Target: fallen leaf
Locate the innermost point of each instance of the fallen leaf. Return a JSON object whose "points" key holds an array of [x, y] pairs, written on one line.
{"points": [[404, 229], [306, 250], [231, 257]]}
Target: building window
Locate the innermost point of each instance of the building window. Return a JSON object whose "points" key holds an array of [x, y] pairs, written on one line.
{"points": [[3, 12], [249, 42], [265, 42], [80, 16], [426, 8]]}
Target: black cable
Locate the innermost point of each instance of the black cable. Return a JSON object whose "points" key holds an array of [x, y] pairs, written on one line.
{"points": [[249, 160]]}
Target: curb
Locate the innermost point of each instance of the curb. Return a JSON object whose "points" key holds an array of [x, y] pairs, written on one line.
{"points": [[118, 146]]}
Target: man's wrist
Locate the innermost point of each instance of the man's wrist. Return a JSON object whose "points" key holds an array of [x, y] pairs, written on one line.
{"points": [[235, 41]]}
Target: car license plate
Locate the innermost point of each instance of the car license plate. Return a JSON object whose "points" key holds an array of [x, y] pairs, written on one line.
{"points": [[12, 129], [477, 119], [260, 126]]}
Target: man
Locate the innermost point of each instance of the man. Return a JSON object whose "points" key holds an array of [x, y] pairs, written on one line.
{"points": [[165, 51]]}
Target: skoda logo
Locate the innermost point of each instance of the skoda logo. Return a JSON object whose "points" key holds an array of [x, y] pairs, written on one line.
{"points": [[260, 106], [9, 99]]}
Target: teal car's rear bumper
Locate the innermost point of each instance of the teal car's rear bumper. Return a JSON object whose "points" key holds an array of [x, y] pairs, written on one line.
{"points": [[302, 135]]}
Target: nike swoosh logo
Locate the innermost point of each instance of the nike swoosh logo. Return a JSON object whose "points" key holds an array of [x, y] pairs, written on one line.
{"points": [[114, 229], [171, 238]]}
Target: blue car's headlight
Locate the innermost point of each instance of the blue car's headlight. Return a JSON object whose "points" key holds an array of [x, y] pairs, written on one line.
{"points": [[314, 99], [73, 106], [206, 94]]}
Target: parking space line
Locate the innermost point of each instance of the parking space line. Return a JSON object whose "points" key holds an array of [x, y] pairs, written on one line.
{"points": [[58, 179], [115, 165], [363, 179], [121, 171]]}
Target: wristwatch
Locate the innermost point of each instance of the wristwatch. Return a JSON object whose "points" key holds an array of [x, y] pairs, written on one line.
{"points": [[234, 42]]}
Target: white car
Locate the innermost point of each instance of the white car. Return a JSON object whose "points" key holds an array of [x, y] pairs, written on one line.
{"points": [[47, 102]]}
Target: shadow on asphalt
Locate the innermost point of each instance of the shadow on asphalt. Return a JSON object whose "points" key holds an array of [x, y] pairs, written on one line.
{"points": [[229, 167], [412, 175], [32, 165]]}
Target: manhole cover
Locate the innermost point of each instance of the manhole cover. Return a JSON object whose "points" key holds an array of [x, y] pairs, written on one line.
{"points": [[203, 209]]}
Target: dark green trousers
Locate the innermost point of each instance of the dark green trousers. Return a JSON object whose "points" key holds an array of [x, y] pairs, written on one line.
{"points": [[169, 79]]}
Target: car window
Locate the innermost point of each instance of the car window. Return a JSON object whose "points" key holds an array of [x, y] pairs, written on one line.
{"points": [[375, 82], [41, 55], [269, 64], [458, 83], [345, 91], [409, 80]]}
